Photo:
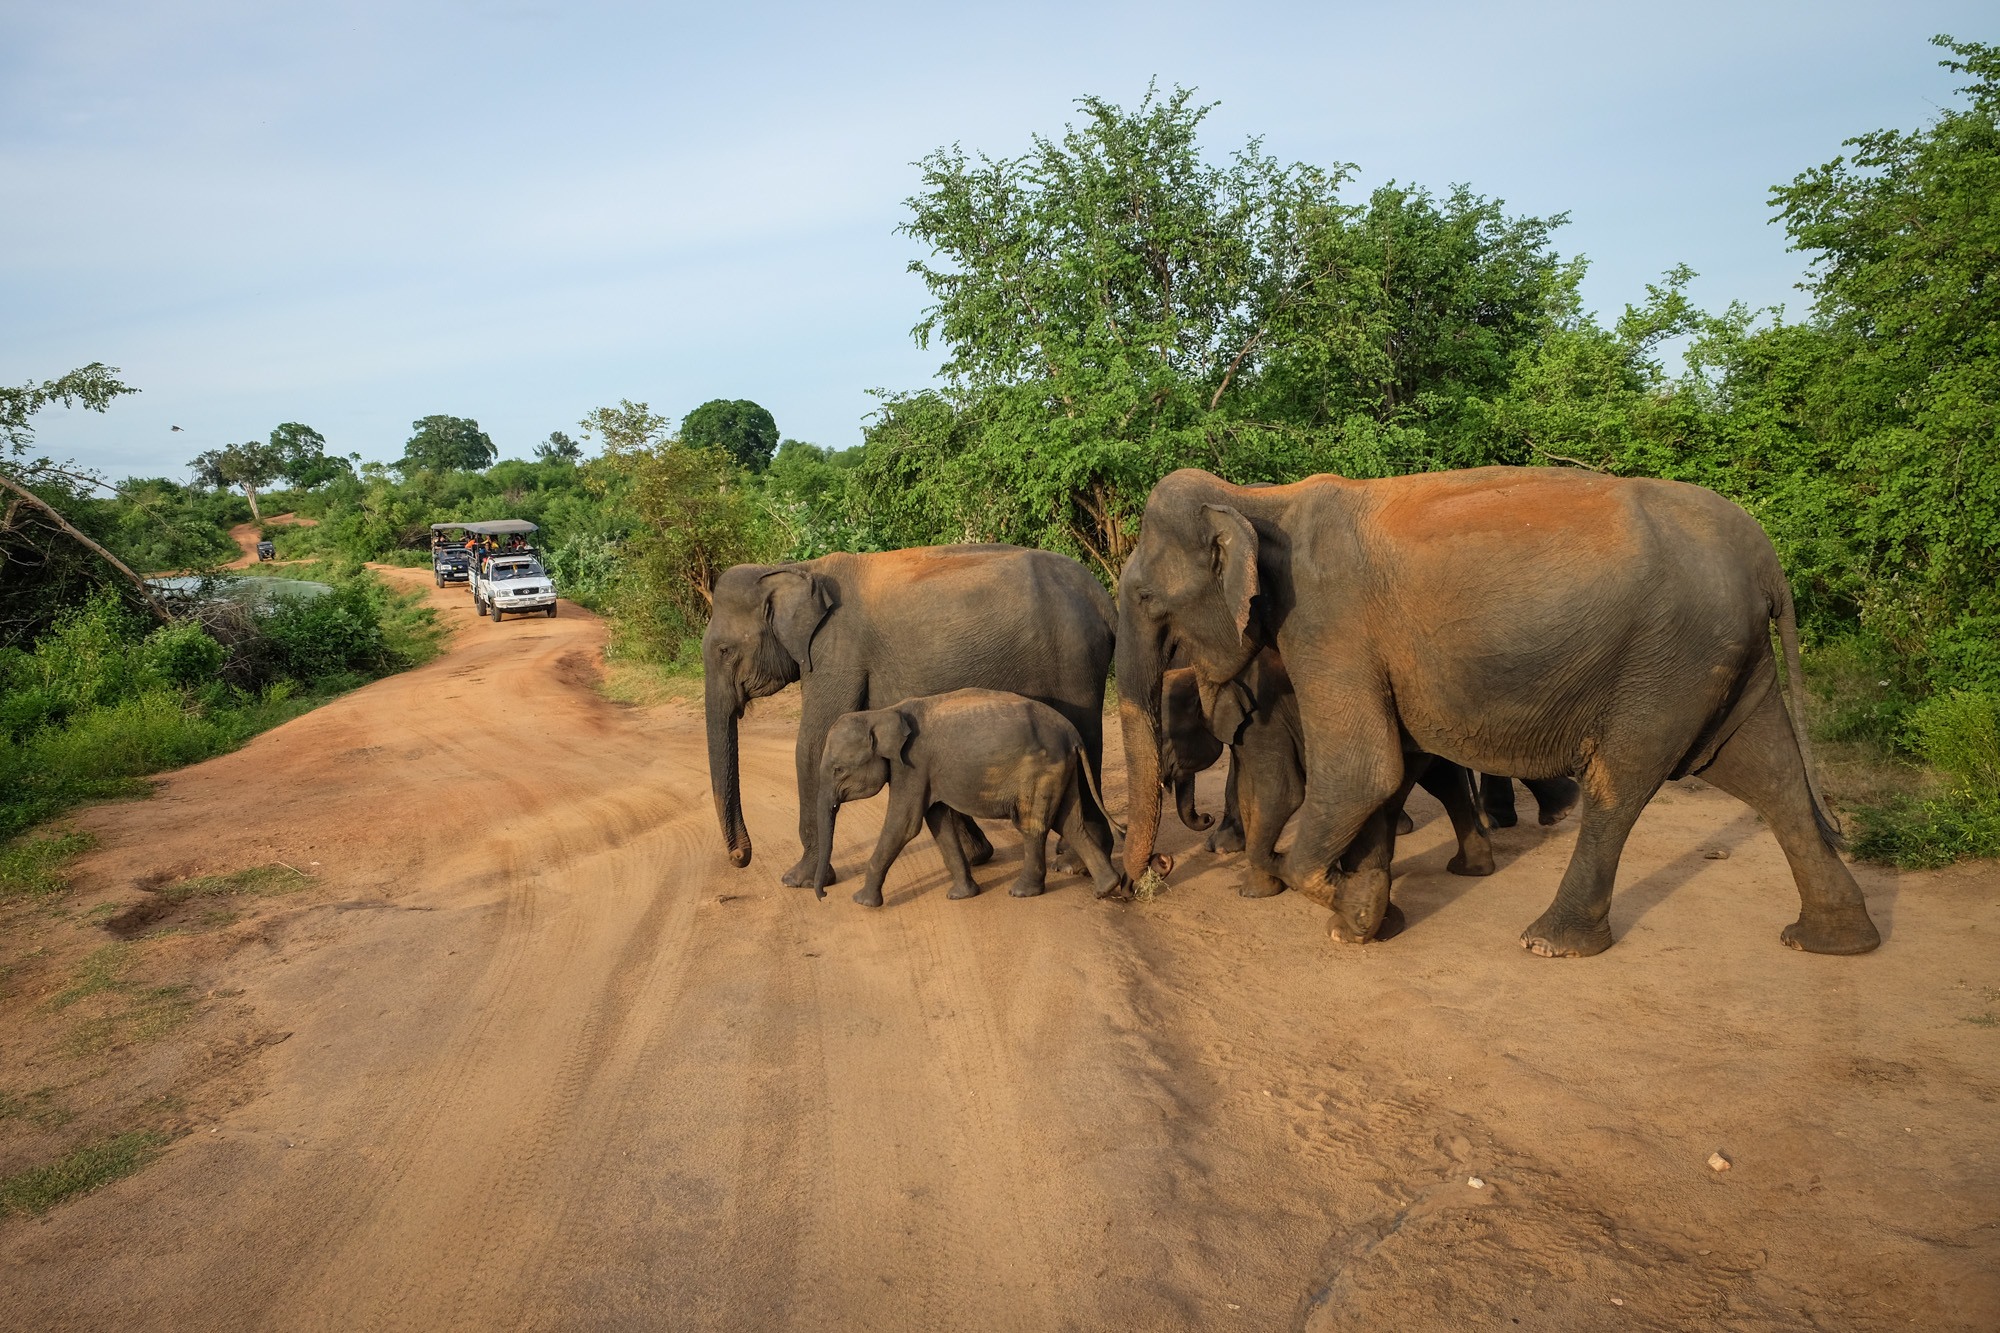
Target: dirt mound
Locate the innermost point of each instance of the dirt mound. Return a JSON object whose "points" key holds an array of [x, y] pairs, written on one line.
{"points": [[554, 1064]]}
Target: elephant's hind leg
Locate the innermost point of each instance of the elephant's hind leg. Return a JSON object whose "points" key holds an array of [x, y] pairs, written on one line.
{"points": [[945, 824], [1760, 766], [1578, 922]]}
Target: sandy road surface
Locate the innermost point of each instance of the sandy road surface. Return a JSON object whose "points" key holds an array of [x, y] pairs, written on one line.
{"points": [[247, 535], [553, 1064]]}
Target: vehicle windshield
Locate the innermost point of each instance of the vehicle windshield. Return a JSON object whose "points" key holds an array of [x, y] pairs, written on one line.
{"points": [[517, 569]]}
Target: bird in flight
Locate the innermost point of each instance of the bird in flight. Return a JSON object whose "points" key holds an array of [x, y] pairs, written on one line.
{"points": [[176, 427]]}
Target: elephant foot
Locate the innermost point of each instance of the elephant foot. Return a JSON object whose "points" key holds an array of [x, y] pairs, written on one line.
{"points": [[1359, 906], [1228, 838], [1501, 818], [965, 890], [1025, 888], [1473, 860], [1260, 884], [868, 897], [1404, 824], [739, 857], [1393, 924], [1068, 862], [1554, 937], [1841, 930], [1555, 799], [800, 876]]}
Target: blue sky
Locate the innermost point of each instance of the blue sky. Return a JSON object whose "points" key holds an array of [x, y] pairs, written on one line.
{"points": [[353, 215]]}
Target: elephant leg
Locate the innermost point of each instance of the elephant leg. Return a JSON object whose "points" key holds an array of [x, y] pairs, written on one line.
{"points": [[905, 817], [1363, 895], [1263, 819], [971, 838], [1034, 825], [1230, 835], [1452, 785], [1554, 798], [1577, 924], [1760, 765], [1347, 786], [815, 720], [1496, 797], [1105, 877], [945, 824]]}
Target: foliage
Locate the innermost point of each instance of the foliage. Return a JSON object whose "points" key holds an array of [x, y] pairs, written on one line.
{"points": [[627, 428], [737, 427], [93, 386], [446, 444], [558, 448], [697, 518], [249, 467], [303, 459]]}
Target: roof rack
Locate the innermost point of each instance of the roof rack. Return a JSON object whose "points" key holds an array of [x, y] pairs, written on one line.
{"points": [[493, 527]]}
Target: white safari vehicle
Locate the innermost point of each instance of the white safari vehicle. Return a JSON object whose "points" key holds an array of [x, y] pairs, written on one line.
{"points": [[507, 576]]}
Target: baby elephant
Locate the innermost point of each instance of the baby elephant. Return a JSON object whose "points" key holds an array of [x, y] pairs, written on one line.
{"points": [[983, 753]]}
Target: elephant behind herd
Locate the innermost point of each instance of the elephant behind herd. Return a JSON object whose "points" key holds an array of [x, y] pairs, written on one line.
{"points": [[1619, 632]]}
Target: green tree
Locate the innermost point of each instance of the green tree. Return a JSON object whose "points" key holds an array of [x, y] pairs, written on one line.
{"points": [[249, 467], [558, 448], [696, 520], [1905, 234], [446, 444], [627, 428], [738, 427], [304, 459]]}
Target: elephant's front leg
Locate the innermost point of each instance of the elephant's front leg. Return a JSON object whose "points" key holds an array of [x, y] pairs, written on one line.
{"points": [[1348, 786], [817, 718], [1452, 785], [905, 817]]}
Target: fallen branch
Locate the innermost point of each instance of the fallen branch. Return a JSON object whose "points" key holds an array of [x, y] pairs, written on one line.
{"points": [[36, 502]]}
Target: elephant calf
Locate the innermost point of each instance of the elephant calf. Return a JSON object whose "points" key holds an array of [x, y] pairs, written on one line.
{"points": [[1256, 716], [982, 753]]}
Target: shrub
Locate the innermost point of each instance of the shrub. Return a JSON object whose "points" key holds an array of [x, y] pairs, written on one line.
{"points": [[320, 638], [1959, 735], [183, 654]]}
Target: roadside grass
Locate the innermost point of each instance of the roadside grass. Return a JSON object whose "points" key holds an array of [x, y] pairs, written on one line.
{"points": [[40, 1188], [648, 684], [39, 1107], [35, 866], [138, 1013], [216, 894]]}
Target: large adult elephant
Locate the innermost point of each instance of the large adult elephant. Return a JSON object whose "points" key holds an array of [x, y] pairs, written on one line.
{"points": [[1621, 631], [871, 630]]}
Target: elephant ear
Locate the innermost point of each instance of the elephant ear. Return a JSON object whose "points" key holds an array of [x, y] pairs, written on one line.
{"points": [[891, 733], [1231, 711], [795, 602], [1233, 559]]}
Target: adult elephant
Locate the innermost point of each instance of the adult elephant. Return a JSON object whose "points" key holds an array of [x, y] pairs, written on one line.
{"points": [[871, 630], [1620, 631]]}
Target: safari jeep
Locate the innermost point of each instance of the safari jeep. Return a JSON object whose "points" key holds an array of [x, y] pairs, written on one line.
{"points": [[511, 581]]}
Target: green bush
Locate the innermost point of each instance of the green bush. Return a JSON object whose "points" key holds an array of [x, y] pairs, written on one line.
{"points": [[321, 638], [1959, 735], [184, 654]]}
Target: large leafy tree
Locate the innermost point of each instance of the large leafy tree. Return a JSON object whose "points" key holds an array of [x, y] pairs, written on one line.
{"points": [[558, 448], [446, 444], [249, 467], [737, 427], [1113, 305], [303, 459], [1905, 234]]}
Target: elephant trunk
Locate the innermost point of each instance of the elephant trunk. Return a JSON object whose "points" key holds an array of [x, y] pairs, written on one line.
{"points": [[1184, 802], [723, 780], [1142, 784], [823, 820]]}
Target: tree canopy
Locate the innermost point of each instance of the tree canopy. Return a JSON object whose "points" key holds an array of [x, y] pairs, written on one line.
{"points": [[739, 428], [446, 444]]}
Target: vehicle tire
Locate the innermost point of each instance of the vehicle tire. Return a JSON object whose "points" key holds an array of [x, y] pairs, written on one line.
{"points": [[552, 610], [478, 606], [497, 613], [437, 578]]}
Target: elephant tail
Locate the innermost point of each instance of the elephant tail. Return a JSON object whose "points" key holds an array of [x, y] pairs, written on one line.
{"points": [[1795, 691], [1083, 762]]}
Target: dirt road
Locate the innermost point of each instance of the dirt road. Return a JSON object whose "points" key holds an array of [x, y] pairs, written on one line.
{"points": [[247, 535], [551, 1063]]}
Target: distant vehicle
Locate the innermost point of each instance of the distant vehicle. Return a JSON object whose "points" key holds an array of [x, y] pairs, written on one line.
{"points": [[451, 559], [509, 579], [267, 550]]}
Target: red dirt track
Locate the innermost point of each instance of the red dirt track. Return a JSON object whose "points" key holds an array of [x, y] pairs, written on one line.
{"points": [[552, 1063]]}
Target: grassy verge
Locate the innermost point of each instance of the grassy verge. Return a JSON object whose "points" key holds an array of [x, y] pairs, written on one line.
{"points": [[33, 867], [90, 1167]]}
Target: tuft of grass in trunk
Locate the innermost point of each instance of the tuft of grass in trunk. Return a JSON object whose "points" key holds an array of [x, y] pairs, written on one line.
{"points": [[41, 1188]]}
